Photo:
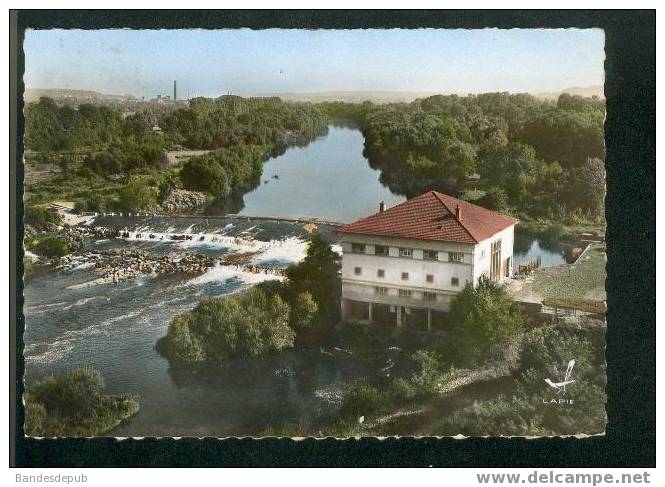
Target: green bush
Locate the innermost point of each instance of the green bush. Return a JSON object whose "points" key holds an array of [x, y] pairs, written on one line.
{"points": [[137, 196], [545, 352], [553, 233], [40, 216], [30, 269], [50, 246], [246, 324], [72, 404], [429, 375], [495, 199], [423, 383], [363, 400], [483, 320], [103, 163], [316, 274], [225, 171], [303, 310]]}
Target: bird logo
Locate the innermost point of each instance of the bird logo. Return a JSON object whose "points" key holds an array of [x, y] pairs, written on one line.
{"points": [[561, 386]]}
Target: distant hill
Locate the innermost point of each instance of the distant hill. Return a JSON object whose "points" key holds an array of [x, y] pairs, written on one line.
{"points": [[353, 96], [595, 90], [31, 95], [408, 96], [75, 97]]}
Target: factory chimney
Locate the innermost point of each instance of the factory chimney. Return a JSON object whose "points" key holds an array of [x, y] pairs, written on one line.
{"points": [[175, 93]]}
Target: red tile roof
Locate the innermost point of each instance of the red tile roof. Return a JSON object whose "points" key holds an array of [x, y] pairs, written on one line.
{"points": [[431, 216]]}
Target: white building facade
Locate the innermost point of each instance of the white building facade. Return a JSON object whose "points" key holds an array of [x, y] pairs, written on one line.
{"points": [[402, 265]]}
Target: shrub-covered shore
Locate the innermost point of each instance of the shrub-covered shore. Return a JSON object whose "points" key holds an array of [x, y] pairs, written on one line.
{"points": [[104, 161], [268, 317], [486, 377], [541, 161], [73, 404]]}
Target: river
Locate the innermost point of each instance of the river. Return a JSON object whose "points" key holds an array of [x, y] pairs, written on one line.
{"points": [[113, 328], [328, 179]]}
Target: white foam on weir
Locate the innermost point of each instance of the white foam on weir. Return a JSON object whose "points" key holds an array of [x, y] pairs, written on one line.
{"points": [[221, 273], [289, 250], [32, 256]]}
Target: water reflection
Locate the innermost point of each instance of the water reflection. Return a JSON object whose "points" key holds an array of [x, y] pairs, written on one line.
{"points": [[527, 248]]}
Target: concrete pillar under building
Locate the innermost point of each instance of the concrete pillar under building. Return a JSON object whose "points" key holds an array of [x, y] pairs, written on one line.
{"points": [[369, 312], [399, 316], [429, 320], [344, 310]]}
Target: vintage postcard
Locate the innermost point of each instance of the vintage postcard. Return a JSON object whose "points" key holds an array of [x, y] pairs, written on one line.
{"points": [[314, 233]]}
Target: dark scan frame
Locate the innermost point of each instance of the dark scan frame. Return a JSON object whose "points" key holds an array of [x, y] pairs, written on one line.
{"points": [[630, 92]]}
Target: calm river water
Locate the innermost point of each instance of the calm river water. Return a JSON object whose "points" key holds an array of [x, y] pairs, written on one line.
{"points": [[113, 328], [329, 179]]}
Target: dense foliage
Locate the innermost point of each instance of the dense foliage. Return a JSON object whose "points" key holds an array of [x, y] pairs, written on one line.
{"points": [[48, 245], [98, 147], [49, 127], [40, 217], [225, 170], [534, 158], [73, 404], [483, 320], [231, 120], [245, 324], [545, 353], [137, 195], [318, 275], [265, 318]]}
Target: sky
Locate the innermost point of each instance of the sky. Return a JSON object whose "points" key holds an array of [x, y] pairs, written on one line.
{"points": [[246, 62]]}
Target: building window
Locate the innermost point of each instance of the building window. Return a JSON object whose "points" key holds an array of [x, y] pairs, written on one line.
{"points": [[405, 252], [357, 248], [430, 255], [454, 281], [405, 276], [429, 278], [357, 271], [380, 273], [428, 296], [482, 254], [381, 250], [405, 293], [381, 291], [456, 256]]}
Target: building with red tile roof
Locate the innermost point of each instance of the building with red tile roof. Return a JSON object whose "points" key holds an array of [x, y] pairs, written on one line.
{"points": [[433, 216], [405, 263]]}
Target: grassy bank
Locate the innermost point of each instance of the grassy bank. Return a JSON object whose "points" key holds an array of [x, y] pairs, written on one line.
{"points": [[583, 281]]}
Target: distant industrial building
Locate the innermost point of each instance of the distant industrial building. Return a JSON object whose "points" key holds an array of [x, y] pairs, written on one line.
{"points": [[161, 99]]}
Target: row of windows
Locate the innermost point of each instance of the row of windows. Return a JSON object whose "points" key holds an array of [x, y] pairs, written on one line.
{"points": [[383, 250], [381, 273], [406, 293]]}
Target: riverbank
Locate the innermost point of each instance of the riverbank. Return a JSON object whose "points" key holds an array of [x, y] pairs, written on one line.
{"points": [[584, 280]]}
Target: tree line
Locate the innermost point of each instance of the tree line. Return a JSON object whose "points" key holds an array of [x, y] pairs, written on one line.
{"points": [[535, 159], [512, 153], [97, 145]]}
